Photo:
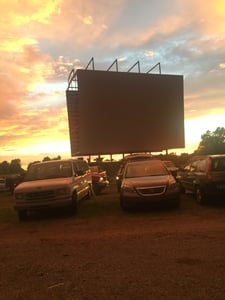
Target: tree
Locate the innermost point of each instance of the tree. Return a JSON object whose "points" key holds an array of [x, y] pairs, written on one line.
{"points": [[213, 142], [15, 166], [46, 158], [4, 167]]}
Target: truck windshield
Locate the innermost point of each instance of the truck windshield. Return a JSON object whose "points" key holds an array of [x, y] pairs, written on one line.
{"points": [[49, 170]]}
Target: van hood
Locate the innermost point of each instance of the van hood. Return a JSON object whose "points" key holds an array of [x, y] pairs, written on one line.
{"points": [[45, 184]]}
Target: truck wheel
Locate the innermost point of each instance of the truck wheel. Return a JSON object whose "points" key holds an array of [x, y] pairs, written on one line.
{"points": [[22, 214]]}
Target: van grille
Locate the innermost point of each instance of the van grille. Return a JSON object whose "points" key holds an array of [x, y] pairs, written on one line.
{"points": [[42, 195]]}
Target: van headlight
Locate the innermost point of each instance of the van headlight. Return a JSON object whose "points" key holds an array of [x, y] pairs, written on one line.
{"points": [[127, 188], [19, 196]]}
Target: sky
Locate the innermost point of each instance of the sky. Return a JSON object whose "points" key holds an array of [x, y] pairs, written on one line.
{"points": [[41, 41]]}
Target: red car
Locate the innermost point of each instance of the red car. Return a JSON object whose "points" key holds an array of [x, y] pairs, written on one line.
{"points": [[99, 179]]}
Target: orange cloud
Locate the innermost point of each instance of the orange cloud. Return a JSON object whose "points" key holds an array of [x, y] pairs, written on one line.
{"points": [[209, 16]]}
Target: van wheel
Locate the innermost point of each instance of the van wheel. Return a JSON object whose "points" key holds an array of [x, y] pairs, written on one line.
{"points": [[199, 196], [74, 205], [22, 214]]}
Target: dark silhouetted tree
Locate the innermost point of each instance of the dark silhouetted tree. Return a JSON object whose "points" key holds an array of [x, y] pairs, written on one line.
{"points": [[15, 166], [213, 142], [4, 167], [46, 158]]}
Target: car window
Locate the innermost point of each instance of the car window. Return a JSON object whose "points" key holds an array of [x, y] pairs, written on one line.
{"points": [[218, 164], [81, 165], [201, 165], [94, 169]]}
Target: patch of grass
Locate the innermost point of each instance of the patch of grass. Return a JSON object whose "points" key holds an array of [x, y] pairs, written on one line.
{"points": [[100, 206], [8, 215]]}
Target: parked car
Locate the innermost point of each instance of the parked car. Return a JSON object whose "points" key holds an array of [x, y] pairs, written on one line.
{"points": [[125, 160], [51, 184], [204, 176], [148, 182], [99, 179], [171, 167]]}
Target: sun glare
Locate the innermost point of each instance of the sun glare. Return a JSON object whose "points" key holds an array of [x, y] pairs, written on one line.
{"points": [[195, 128]]}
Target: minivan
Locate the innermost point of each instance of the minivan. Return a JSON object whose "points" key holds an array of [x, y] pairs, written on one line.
{"points": [[51, 184], [204, 176], [125, 160]]}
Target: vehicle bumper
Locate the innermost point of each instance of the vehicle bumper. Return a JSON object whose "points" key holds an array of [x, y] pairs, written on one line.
{"points": [[100, 185], [44, 203], [135, 200]]}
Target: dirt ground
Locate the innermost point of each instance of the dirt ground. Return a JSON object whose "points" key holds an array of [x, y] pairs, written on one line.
{"points": [[153, 254]]}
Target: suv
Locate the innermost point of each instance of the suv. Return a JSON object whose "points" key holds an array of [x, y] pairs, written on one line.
{"points": [[204, 176], [51, 184], [125, 160]]}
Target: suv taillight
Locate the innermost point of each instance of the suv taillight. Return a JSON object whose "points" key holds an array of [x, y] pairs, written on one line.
{"points": [[209, 170]]}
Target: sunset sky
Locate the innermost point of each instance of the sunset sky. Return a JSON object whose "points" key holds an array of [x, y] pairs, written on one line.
{"points": [[41, 41]]}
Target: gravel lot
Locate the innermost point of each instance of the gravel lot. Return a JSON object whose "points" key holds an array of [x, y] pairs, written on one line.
{"points": [[148, 254]]}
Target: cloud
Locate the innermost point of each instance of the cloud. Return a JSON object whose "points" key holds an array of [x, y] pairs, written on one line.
{"points": [[41, 41]]}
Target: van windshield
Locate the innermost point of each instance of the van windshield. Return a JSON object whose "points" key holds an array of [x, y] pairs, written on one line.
{"points": [[49, 170]]}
